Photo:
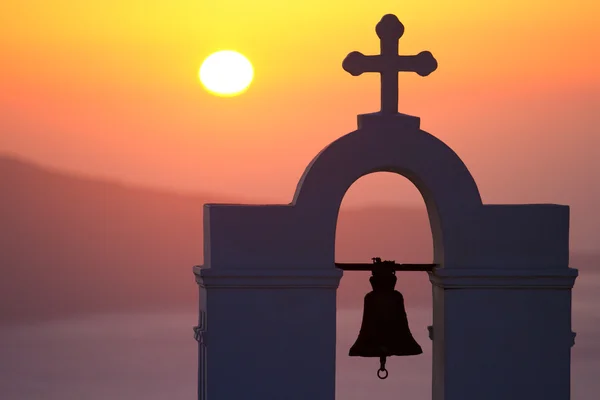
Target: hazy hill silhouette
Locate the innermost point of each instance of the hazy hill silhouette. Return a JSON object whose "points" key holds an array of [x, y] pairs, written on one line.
{"points": [[70, 244]]}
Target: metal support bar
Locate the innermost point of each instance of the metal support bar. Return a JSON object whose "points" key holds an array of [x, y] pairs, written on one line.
{"points": [[396, 267]]}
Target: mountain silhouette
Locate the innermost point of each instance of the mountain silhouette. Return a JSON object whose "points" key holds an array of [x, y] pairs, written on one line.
{"points": [[71, 245]]}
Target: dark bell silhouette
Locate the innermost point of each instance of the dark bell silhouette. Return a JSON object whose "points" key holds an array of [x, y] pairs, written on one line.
{"points": [[384, 331]]}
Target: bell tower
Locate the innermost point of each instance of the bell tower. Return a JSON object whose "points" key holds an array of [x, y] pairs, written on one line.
{"points": [[501, 282]]}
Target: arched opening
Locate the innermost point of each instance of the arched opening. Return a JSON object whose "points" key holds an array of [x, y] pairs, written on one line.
{"points": [[383, 215], [448, 189]]}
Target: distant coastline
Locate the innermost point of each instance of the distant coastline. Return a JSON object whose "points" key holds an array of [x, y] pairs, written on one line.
{"points": [[73, 246]]}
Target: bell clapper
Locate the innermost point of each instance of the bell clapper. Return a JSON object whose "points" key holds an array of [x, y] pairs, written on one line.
{"points": [[382, 373]]}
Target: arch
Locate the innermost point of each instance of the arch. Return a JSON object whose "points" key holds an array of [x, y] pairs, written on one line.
{"points": [[397, 227], [448, 189]]}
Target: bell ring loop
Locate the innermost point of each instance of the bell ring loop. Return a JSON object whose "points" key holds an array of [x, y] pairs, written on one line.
{"points": [[382, 373]]}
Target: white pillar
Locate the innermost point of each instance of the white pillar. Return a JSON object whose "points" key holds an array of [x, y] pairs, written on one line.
{"points": [[502, 334], [270, 333]]}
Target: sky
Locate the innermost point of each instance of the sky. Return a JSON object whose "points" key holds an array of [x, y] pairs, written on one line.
{"points": [[109, 88]]}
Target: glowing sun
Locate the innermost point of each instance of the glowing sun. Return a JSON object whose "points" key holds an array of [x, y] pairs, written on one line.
{"points": [[226, 73]]}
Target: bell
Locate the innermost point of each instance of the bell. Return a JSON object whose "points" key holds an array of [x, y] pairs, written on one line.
{"points": [[384, 331]]}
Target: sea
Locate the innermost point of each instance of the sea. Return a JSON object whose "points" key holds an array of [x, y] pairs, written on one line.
{"points": [[152, 356]]}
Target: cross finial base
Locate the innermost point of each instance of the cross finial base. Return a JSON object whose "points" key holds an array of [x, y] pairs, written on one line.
{"points": [[380, 121]]}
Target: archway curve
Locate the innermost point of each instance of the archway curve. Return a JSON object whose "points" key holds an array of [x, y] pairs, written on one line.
{"points": [[383, 214], [447, 187]]}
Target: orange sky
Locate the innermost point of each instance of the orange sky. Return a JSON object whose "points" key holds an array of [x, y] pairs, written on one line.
{"points": [[110, 88]]}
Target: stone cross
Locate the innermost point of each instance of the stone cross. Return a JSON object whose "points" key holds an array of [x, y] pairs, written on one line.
{"points": [[389, 63]]}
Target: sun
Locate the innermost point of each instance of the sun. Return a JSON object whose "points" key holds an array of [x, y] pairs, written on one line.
{"points": [[226, 73]]}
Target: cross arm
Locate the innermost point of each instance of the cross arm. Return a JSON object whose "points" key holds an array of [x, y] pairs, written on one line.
{"points": [[357, 63]]}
